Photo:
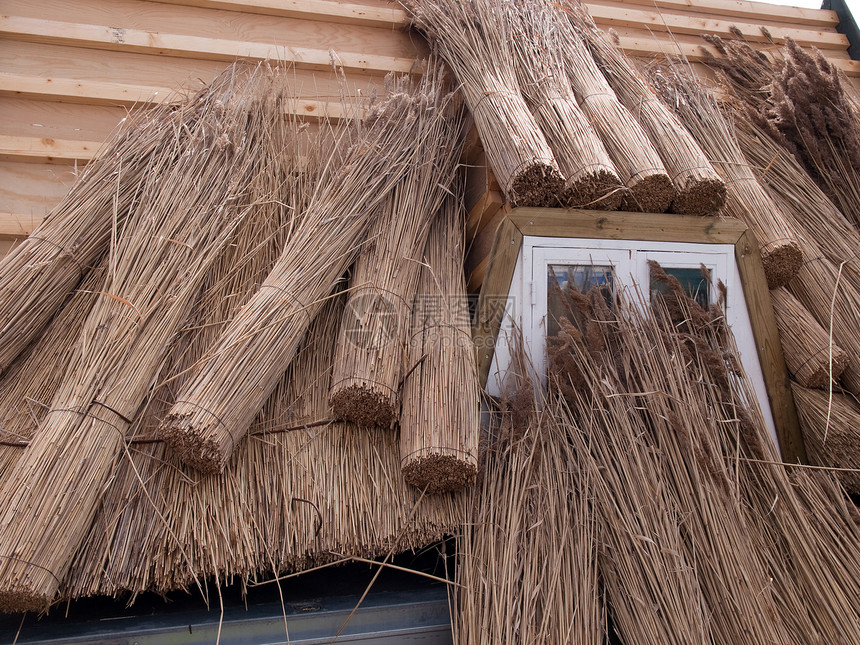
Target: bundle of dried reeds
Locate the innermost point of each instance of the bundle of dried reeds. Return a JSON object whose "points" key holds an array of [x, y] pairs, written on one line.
{"points": [[811, 356], [440, 423], [666, 504], [164, 527], [831, 432], [215, 408], [40, 272], [805, 205], [699, 190], [799, 99], [474, 38], [193, 194], [746, 200], [835, 304], [590, 177], [28, 385], [637, 162], [527, 561], [371, 352]]}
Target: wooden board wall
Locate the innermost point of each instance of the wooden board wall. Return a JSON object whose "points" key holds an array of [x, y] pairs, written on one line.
{"points": [[69, 69]]}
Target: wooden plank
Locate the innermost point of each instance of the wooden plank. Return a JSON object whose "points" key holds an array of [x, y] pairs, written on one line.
{"points": [[49, 119], [47, 150], [382, 13], [741, 9], [494, 294], [483, 213], [619, 225], [622, 16], [165, 44], [160, 18], [28, 192], [479, 247], [769, 349]]}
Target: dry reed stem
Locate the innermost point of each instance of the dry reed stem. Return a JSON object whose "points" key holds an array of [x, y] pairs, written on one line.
{"points": [[746, 200], [831, 432], [699, 190], [811, 356], [215, 408], [474, 38], [527, 550], [590, 177], [638, 164], [440, 423], [191, 198], [372, 346]]}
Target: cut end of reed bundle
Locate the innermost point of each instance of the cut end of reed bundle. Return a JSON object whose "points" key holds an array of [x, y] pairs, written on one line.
{"points": [[652, 193], [365, 405], [193, 444], [538, 185], [17, 597], [439, 470], [596, 190], [781, 260], [699, 196]]}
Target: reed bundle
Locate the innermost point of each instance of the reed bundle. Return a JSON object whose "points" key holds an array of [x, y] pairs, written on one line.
{"points": [[590, 177], [805, 205], [28, 385], [474, 38], [666, 505], [192, 196], [527, 550], [638, 164], [371, 352], [213, 411], [810, 354], [440, 422], [40, 272], [699, 190], [274, 509], [774, 552], [830, 432], [835, 304], [799, 99], [746, 200]]}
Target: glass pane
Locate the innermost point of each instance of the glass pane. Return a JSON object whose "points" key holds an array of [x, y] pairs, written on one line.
{"points": [[694, 283], [582, 277]]}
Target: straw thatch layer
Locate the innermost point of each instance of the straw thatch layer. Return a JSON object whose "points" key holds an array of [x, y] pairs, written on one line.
{"points": [[440, 423], [831, 432], [213, 412], [474, 38]]}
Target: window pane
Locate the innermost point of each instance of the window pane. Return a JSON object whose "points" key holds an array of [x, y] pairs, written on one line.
{"points": [[583, 278], [694, 283]]}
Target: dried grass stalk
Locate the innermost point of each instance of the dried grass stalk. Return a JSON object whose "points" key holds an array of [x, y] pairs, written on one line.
{"points": [[215, 408], [831, 432], [798, 97], [192, 197], [811, 356], [635, 158], [590, 177], [527, 551], [40, 272], [746, 200], [371, 351], [440, 422], [699, 190], [474, 38]]}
